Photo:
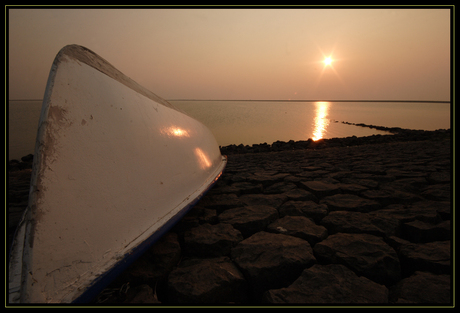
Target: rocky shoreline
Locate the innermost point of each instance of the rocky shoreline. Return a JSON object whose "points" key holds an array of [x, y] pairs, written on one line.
{"points": [[338, 221], [396, 134]]}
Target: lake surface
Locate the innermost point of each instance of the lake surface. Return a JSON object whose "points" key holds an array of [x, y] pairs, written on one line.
{"points": [[254, 122]]}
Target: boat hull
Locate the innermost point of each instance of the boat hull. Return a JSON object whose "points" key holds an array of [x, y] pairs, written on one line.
{"points": [[115, 166]]}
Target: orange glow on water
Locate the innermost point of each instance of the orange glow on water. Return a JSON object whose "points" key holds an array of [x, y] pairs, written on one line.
{"points": [[320, 122]]}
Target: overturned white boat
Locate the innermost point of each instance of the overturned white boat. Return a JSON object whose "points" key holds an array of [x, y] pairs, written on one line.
{"points": [[115, 166]]}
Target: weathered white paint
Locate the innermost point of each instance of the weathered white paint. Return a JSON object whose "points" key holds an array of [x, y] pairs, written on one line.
{"points": [[113, 163]]}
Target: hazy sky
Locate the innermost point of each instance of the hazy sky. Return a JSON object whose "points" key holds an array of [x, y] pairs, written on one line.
{"points": [[378, 54]]}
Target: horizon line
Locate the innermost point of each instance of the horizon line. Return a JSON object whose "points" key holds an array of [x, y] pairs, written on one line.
{"points": [[298, 100], [285, 100]]}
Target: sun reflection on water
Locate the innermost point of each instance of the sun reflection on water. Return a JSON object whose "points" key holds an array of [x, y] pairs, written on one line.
{"points": [[320, 122]]}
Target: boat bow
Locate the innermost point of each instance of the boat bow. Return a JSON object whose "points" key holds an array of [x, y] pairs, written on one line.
{"points": [[115, 166]]}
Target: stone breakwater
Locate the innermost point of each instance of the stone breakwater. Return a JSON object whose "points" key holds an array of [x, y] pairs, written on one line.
{"points": [[341, 225]]}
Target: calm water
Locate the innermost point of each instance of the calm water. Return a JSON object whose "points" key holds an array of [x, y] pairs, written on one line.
{"points": [[252, 122]]}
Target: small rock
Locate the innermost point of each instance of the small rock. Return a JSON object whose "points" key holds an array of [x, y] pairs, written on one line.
{"points": [[332, 283], [365, 254], [422, 288], [165, 253], [266, 179], [321, 189], [221, 202], [211, 240], [439, 177], [419, 231], [357, 222], [279, 188], [298, 194], [390, 196], [311, 168], [156, 263], [141, 294], [369, 169], [347, 202], [242, 188], [396, 242], [207, 281], [250, 219], [308, 209], [352, 188], [271, 260], [239, 177], [202, 215], [275, 200], [438, 192], [426, 211], [378, 178], [429, 257], [299, 226], [444, 209], [369, 183], [412, 185], [28, 158], [398, 173]]}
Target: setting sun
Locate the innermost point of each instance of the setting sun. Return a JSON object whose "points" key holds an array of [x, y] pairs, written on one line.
{"points": [[327, 61]]}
